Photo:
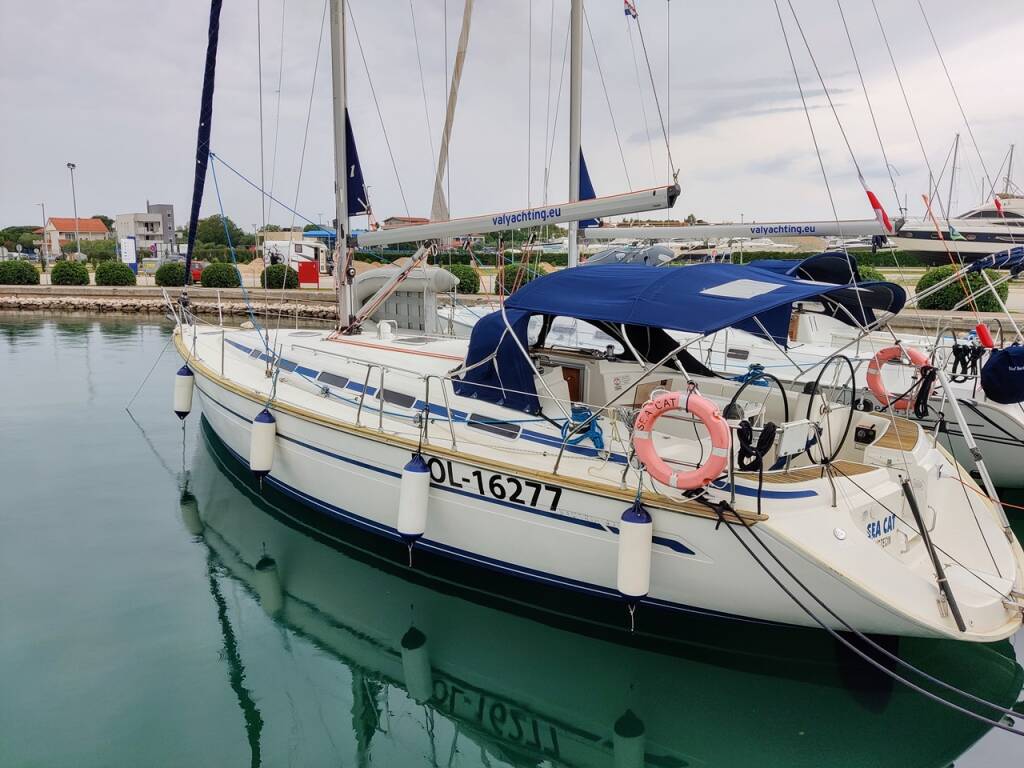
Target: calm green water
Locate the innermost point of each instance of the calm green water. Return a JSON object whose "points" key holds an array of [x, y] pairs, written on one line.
{"points": [[156, 609]]}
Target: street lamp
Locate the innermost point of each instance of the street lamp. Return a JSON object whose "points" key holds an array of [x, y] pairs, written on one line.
{"points": [[74, 203], [43, 250]]}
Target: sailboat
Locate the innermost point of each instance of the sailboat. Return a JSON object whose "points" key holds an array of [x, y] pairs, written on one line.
{"points": [[555, 466], [532, 689]]}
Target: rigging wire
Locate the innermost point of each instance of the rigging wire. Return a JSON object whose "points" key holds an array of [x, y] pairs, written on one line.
{"points": [[956, 96], [608, 101], [423, 82], [277, 120], [654, 94], [554, 124], [259, 79], [529, 104], [643, 106], [376, 103], [547, 113], [871, 109]]}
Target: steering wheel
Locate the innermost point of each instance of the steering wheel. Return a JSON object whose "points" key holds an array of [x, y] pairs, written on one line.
{"points": [[754, 377], [829, 403]]}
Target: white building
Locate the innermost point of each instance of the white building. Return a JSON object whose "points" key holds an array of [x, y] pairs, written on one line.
{"points": [[146, 228]]}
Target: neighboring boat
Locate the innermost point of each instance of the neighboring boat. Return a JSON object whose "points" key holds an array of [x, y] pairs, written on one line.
{"points": [[553, 691], [979, 232], [529, 456]]}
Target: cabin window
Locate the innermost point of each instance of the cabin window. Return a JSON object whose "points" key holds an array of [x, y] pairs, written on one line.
{"points": [[572, 333], [332, 379], [400, 399], [493, 426]]}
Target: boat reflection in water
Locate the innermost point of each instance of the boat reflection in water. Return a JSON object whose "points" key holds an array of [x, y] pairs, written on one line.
{"points": [[528, 692]]}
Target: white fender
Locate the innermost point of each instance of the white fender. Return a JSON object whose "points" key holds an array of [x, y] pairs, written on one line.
{"points": [[267, 583], [413, 499], [184, 384], [261, 443], [629, 741], [636, 536], [419, 679]]}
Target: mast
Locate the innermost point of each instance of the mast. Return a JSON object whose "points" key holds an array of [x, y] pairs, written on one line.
{"points": [[1009, 172], [342, 275], [952, 179], [439, 207], [575, 118]]}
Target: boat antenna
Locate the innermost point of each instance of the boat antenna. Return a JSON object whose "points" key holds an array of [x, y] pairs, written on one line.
{"points": [[202, 140]]}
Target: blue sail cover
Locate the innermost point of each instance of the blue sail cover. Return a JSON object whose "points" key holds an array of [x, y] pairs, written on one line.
{"points": [[1011, 259], [358, 200], [586, 191], [702, 299], [828, 267]]}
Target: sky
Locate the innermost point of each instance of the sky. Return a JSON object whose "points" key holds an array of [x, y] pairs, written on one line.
{"points": [[114, 87]]}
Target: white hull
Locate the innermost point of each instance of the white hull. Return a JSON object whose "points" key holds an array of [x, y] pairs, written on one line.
{"points": [[566, 535]]}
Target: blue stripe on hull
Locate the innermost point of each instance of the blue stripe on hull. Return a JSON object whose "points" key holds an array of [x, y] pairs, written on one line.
{"points": [[461, 555]]}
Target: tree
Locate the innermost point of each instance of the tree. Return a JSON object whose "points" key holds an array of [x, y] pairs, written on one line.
{"points": [[109, 222], [691, 219], [310, 227], [270, 228], [27, 242], [211, 230]]}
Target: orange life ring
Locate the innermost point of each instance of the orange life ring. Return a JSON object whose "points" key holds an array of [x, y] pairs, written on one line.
{"points": [[704, 410], [874, 373]]}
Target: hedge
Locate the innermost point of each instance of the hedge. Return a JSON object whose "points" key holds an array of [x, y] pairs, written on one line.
{"points": [[469, 280], [171, 274], [114, 273], [220, 275], [869, 273], [275, 274], [514, 279], [18, 272], [69, 273], [953, 293]]}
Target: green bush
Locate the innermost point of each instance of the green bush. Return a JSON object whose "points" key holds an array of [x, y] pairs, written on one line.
{"points": [[69, 273], [953, 293], [469, 280], [18, 272], [114, 273], [515, 278], [220, 275], [275, 274], [869, 273], [171, 274]]}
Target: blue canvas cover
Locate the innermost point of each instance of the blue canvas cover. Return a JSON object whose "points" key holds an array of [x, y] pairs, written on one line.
{"points": [[827, 267], [702, 298], [507, 379], [1002, 377], [1011, 259]]}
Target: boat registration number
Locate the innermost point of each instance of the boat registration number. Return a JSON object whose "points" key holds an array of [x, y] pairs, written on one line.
{"points": [[495, 485], [503, 719]]}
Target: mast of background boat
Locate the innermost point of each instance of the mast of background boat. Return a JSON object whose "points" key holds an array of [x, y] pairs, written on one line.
{"points": [[1009, 172], [575, 119], [342, 273], [952, 180]]}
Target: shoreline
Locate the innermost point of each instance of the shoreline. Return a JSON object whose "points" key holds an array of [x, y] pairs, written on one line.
{"points": [[318, 305]]}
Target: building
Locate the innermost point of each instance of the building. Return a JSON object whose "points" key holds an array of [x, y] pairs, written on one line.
{"points": [[60, 231], [146, 228], [166, 210]]}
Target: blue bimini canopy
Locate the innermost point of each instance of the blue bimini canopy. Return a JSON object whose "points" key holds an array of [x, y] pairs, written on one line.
{"points": [[701, 299], [1011, 259]]}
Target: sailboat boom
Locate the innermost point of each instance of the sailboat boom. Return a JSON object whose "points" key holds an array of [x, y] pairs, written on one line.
{"points": [[653, 199]]}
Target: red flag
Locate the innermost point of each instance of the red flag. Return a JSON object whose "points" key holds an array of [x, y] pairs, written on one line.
{"points": [[999, 204], [880, 214]]}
